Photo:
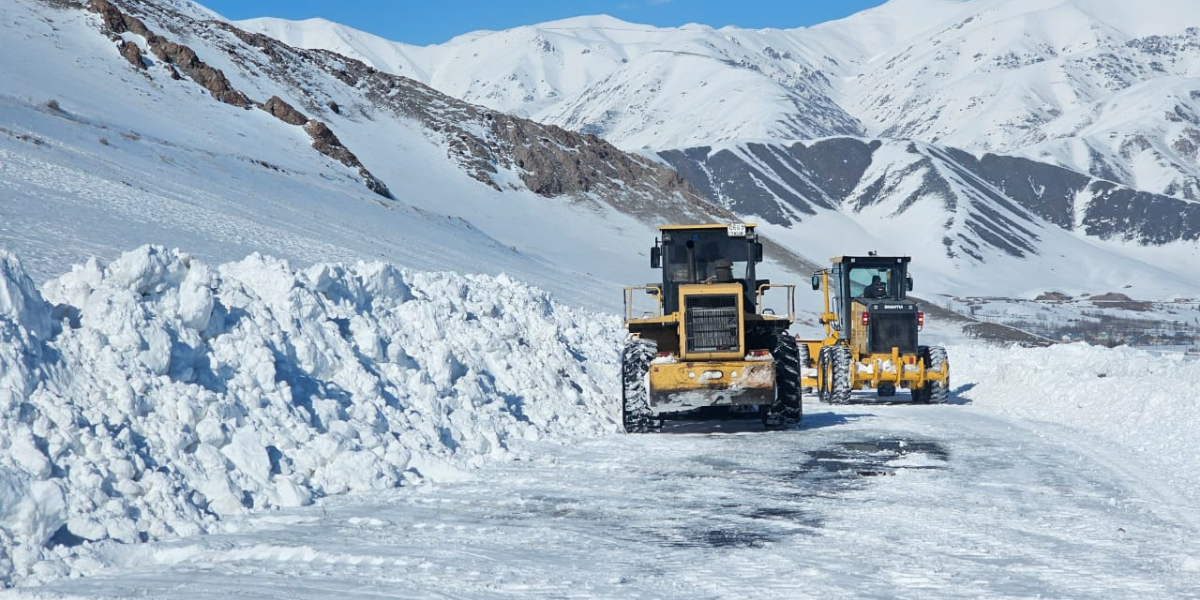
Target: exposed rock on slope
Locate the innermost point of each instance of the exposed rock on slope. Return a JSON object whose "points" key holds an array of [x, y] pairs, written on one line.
{"points": [[115, 23], [990, 204], [548, 160], [496, 149]]}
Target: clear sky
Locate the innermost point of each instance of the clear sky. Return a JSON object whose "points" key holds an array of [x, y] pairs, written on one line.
{"points": [[432, 22]]}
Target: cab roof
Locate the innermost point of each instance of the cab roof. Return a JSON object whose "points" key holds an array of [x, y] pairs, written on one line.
{"points": [[871, 260], [704, 226]]}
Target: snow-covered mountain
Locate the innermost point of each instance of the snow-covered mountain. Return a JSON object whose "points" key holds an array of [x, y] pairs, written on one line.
{"points": [[1075, 97], [1089, 84], [628, 83], [147, 122]]}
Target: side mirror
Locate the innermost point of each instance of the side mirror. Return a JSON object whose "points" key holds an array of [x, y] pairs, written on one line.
{"points": [[758, 253], [908, 280], [816, 281], [656, 258]]}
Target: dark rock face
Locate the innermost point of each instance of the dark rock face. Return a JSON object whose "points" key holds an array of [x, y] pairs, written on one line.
{"points": [[178, 57], [116, 22], [548, 160], [777, 181], [130, 52], [1119, 212], [283, 111], [327, 143]]}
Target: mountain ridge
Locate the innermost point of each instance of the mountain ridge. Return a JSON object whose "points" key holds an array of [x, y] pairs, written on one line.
{"points": [[979, 74]]}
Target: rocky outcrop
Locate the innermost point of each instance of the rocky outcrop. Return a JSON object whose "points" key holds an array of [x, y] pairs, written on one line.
{"points": [[553, 161], [178, 57], [548, 160], [283, 111], [210, 78], [327, 143], [130, 52], [116, 22]]}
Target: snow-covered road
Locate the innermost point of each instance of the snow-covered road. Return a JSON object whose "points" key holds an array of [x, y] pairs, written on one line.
{"points": [[864, 501]]}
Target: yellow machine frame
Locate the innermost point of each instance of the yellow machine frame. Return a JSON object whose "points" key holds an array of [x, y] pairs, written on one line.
{"points": [[867, 370], [695, 379]]}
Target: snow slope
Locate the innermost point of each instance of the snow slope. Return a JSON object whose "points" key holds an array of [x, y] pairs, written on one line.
{"points": [[1061, 92], [626, 82]]}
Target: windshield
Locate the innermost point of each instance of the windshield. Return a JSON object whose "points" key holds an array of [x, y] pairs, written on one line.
{"points": [[877, 282], [713, 250], [706, 256]]}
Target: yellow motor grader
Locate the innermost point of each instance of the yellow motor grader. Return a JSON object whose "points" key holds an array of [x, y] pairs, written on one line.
{"points": [[871, 334], [708, 342]]}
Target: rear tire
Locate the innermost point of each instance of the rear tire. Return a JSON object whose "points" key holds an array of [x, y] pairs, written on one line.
{"points": [[635, 393], [786, 412], [938, 392], [839, 374]]}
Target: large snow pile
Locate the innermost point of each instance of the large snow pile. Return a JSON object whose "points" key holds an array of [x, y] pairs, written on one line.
{"points": [[154, 395], [1141, 401]]}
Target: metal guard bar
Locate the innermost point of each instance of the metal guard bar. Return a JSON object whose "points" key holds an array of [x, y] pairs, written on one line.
{"points": [[900, 377], [791, 301], [650, 289]]}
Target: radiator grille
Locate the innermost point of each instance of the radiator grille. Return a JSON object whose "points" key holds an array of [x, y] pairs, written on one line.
{"points": [[712, 323], [893, 331]]}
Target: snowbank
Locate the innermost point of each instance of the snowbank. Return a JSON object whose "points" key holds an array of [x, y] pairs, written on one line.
{"points": [[1143, 402], [152, 396]]}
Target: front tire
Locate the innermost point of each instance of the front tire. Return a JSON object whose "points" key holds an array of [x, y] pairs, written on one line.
{"points": [[805, 363], [636, 416], [786, 412]]}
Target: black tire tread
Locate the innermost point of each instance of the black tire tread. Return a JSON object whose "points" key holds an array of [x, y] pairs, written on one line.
{"points": [[938, 392], [635, 397], [787, 411], [839, 374]]}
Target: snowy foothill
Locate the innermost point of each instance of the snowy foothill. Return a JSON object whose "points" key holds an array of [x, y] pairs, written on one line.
{"points": [[1138, 402], [151, 397]]}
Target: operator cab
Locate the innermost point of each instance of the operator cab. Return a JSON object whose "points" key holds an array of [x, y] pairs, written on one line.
{"points": [[697, 254], [871, 293], [874, 278]]}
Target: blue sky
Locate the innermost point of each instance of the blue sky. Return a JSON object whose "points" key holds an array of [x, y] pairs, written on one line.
{"points": [[424, 23]]}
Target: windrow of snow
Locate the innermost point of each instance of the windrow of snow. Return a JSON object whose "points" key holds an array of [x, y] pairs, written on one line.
{"points": [[152, 396], [1140, 402]]}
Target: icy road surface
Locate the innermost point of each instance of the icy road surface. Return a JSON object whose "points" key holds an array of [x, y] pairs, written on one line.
{"points": [[864, 501]]}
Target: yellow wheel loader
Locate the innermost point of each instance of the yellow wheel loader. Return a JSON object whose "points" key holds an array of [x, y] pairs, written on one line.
{"points": [[708, 341], [871, 332]]}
